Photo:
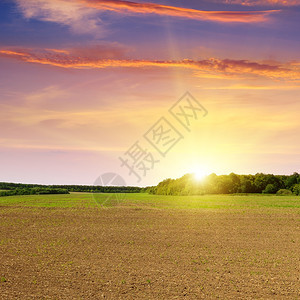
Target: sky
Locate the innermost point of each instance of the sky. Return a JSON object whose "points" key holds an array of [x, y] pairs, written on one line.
{"points": [[87, 88]]}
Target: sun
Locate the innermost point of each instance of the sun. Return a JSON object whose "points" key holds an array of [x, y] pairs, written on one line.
{"points": [[199, 174]]}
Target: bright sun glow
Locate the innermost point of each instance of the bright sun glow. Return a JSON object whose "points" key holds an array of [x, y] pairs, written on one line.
{"points": [[199, 174]]}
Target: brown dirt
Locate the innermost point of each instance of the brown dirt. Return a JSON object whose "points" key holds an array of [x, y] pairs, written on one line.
{"points": [[134, 253]]}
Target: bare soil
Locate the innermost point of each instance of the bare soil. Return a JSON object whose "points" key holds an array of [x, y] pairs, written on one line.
{"points": [[147, 253]]}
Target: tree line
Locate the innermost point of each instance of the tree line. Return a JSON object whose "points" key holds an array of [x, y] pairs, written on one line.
{"points": [[229, 184], [32, 191], [10, 189]]}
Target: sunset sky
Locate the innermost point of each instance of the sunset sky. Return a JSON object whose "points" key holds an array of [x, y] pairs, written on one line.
{"points": [[81, 81]]}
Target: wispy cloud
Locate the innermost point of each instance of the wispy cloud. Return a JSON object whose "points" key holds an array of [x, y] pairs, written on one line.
{"points": [[74, 14], [121, 6], [83, 16], [207, 68], [262, 2]]}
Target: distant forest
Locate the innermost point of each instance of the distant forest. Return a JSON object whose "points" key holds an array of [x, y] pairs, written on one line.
{"points": [[11, 189], [229, 184], [186, 185]]}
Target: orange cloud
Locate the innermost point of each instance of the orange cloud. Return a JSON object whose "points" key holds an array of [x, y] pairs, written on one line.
{"points": [[263, 2], [207, 68], [121, 6]]}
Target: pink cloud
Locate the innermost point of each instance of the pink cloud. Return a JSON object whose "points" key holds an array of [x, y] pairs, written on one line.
{"points": [[99, 57], [121, 6]]}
